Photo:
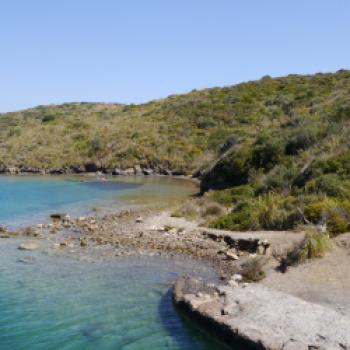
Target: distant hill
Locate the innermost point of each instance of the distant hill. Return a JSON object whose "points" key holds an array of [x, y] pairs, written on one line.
{"points": [[288, 136]]}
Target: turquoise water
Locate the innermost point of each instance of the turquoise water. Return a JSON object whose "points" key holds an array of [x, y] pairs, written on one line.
{"points": [[58, 302], [26, 200]]}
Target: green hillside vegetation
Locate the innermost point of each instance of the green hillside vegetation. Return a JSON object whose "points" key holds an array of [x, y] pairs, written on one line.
{"points": [[276, 152]]}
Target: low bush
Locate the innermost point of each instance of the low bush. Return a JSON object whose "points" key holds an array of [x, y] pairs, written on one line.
{"points": [[253, 269], [267, 152], [211, 209], [267, 212], [334, 213], [330, 185], [188, 210], [302, 139], [314, 245]]}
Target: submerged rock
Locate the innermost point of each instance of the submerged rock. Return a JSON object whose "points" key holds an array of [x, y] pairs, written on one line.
{"points": [[29, 260], [58, 216], [28, 245]]}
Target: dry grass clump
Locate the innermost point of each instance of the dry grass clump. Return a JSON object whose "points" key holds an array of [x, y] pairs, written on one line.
{"points": [[212, 209], [253, 269], [315, 245], [188, 210], [199, 208]]}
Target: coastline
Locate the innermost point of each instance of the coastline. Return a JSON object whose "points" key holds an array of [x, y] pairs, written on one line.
{"points": [[92, 169], [150, 231]]}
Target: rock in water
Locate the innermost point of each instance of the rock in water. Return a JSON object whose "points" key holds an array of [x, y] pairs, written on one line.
{"points": [[28, 245], [58, 216], [27, 260]]}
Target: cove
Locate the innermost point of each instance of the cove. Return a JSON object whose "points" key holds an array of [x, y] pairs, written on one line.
{"points": [[28, 200], [50, 301]]}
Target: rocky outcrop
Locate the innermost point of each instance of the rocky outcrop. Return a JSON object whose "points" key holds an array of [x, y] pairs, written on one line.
{"points": [[261, 318]]}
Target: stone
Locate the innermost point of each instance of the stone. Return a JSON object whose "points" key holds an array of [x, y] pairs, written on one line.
{"points": [[232, 283], [28, 245], [139, 219], [138, 170], [147, 171], [58, 216], [237, 277], [173, 231], [232, 255], [129, 171], [27, 260]]}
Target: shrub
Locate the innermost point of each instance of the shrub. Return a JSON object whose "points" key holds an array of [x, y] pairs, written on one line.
{"points": [[270, 211], [223, 197], [302, 140], [315, 245], [267, 152], [253, 269], [233, 195], [230, 171], [211, 209], [48, 118], [188, 210], [229, 142], [317, 210], [335, 213], [328, 184], [337, 221], [243, 217]]}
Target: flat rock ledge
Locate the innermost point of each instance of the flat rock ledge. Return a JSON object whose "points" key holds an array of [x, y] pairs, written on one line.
{"points": [[257, 317]]}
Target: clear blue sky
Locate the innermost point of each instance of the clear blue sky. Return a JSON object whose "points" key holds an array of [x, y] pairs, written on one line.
{"points": [[55, 51]]}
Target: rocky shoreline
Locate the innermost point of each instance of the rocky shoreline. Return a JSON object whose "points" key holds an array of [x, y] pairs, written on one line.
{"points": [[257, 317], [143, 232], [237, 311], [136, 170]]}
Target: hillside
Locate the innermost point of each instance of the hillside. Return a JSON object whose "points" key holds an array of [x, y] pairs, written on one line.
{"points": [[283, 142]]}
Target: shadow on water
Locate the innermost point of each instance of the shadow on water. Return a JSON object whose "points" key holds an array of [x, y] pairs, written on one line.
{"points": [[182, 331]]}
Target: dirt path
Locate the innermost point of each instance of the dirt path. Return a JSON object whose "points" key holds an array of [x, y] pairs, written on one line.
{"points": [[324, 281]]}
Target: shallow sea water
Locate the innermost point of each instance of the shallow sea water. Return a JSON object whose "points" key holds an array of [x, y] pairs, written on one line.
{"points": [[30, 199], [60, 303], [57, 302]]}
